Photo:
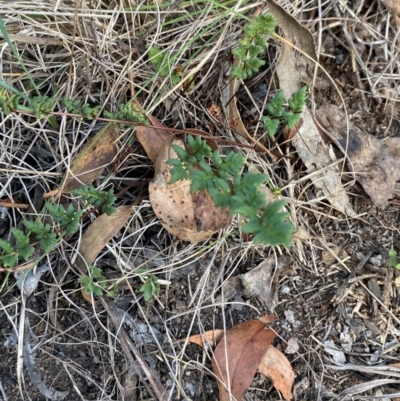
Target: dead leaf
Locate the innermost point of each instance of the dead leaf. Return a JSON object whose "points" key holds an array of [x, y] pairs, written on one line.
{"points": [[261, 282], [321, 163], [268, 319], [375, 163], [302, 234], [96, 237], [293, 68], [213, 337], [208, 338], [91, 160], [237, 357], [152, 137], [190, 217], [277, 368]]}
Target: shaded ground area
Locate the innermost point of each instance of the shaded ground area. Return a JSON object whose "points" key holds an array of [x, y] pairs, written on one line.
{"points": [[333, 291]]}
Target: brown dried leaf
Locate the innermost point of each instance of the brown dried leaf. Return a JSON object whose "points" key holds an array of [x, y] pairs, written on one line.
{"points": [[208, 338], [376, 163], [190, 217], [152, 137], [96, 237], [237, 357], [89, 163], [277, 368]]}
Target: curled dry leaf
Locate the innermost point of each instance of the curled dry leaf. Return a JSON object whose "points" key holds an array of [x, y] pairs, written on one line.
{"points": [[277, 368], [208, 338], [91, 160], [237, 357], [190, 217]]}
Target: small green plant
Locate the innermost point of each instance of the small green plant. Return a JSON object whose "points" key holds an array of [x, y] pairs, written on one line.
{"points": [[38, 105], [150, 287], [230, 189], [130, 112], [393, 259], [252, 46], [159, 59], [96, 283], [96, 198], [127, 111], [67, 218], [85, 110], [278, 111]]}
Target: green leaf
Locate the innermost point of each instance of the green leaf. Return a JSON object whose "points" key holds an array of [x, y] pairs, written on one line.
{"points": [[22, 243], [6, 246], [178, 173], [270, 125], [393, 257], [180, 152], [42, 105], [298, 100], [272, 228], [97, 290], [155, 55], [175, 78], [8, 260], [275, 106], [292, 119], [47, 241]]}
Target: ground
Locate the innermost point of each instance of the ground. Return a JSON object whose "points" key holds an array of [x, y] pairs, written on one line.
{"points": [[335, 285]]}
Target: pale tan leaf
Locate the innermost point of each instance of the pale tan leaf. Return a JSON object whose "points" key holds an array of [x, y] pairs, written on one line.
{"points": [[261, 282], [268, 319], [97, 236], [277, 368], [208, 338]]}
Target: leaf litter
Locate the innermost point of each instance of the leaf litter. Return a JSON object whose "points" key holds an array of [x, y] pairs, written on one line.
{"points": [[368, 159], [241, 352], [99, 152], [375, 163]]}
